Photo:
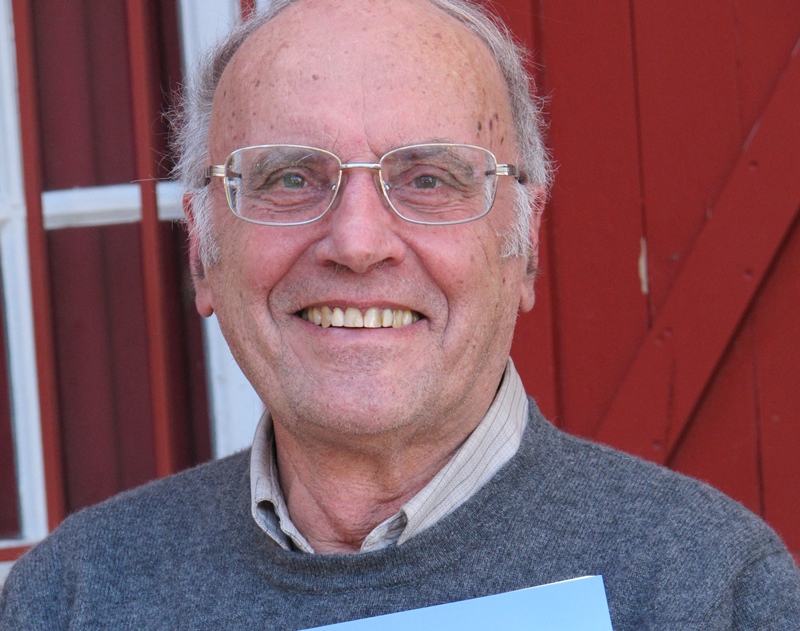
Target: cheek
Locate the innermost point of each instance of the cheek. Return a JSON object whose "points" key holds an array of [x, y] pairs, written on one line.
{"points": [[257, 257], [472, 276]]}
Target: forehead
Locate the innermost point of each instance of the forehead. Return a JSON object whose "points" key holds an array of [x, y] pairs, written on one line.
{"points": [[394, 72]]}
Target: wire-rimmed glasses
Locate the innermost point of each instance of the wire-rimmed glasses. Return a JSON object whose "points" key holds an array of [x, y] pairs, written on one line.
{"points": [[291, 185]]}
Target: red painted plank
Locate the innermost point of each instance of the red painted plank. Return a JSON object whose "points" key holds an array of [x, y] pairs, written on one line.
{"points": [[716, 284], [690, 124], [170, 74], [726, 443], [186, 335], [62, 86], [519, 16], [127, 341], [777, 364], [594, 217], [720, 446], [37, 249], [12, 554], [109, 92], [83, 92], [767, 32], [103, 368], [145, 111], [84, 365]]}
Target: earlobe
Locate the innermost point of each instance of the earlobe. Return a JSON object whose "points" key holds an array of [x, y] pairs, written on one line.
{"points": [[202, 299]]}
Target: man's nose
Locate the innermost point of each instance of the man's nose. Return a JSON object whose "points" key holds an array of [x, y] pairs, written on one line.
{"points": [[362, 228]]}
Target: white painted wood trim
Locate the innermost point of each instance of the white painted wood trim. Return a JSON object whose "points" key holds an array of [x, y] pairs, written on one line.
{"points": [[25, 415], [202, 23], [235, 407], [107, 205], [11, 195]]}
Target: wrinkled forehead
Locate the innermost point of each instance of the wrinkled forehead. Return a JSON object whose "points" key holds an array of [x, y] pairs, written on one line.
{"points": [[355, 56]]}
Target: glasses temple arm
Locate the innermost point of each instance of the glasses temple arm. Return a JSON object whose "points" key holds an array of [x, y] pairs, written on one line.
{"points": [[510, 169], [215, 170]]}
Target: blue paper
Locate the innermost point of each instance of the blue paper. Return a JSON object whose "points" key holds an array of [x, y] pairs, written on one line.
{"points": [[578, 603]]}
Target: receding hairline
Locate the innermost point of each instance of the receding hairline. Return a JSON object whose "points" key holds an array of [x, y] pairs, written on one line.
{"points": [[192, 117], [271, 47], [276, 28]]}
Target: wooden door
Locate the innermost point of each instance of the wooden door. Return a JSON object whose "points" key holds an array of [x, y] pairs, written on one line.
{"points": [[667, 314]]}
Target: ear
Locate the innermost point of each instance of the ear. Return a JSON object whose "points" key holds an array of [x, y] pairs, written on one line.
{"points": [[202, 298], [537, 196]]}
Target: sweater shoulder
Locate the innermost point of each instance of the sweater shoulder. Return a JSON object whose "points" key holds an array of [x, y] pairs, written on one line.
{"points": [[108, 555], [664, 542], [193, 503], [617, 485], [209, 486], [632, 518]]}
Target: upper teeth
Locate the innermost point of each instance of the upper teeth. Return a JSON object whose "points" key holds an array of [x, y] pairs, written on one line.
{"points": [[372, 318]]}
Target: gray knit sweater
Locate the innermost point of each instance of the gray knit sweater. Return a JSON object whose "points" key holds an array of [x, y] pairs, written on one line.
{"points": [[184, 553]]}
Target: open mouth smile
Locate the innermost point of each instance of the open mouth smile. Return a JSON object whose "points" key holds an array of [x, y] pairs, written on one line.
{"points": [[353, 318]]}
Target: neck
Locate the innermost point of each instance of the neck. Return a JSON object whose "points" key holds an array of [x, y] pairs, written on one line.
{"points": [[337, 495]]}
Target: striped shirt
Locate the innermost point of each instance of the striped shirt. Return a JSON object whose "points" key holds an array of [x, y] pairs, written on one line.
{"points": [[493, 442]]}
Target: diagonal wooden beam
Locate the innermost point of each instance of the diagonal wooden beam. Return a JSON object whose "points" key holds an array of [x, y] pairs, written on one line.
{"points": [[716, 285]]}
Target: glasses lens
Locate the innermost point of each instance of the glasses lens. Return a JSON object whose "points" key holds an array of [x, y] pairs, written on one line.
{"points": [[440, 183], [281, 184]]}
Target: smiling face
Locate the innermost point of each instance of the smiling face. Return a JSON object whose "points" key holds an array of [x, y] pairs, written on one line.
{"points": [[436, 304]]}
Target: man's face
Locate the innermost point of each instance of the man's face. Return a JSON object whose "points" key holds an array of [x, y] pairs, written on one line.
{"points": [[359, 78]]}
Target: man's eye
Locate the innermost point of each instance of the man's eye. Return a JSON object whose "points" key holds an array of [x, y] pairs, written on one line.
{"points": [[426, 181], [293, 180], [284, 180]]}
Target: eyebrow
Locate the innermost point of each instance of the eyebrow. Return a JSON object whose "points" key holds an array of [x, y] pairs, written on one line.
{"points": [[447, 152]]}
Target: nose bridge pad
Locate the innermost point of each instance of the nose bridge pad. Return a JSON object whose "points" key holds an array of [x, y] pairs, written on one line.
{"points": [[383, 193], [383, 190]]}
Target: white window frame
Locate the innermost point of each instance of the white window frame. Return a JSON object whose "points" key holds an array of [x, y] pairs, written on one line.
{"points": [[21, 352]]}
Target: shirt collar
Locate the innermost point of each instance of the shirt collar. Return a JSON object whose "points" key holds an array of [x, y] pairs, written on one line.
{"points": [[493, 443], [268, 505]]}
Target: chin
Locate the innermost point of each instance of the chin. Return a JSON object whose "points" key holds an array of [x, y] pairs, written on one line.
{"points": [[361, 420]]}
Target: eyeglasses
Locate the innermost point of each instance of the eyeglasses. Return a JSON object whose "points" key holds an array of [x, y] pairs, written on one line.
{"points": [[291, 185]]}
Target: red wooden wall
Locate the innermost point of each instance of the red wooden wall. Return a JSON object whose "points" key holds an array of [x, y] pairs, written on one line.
{"points": [[667, 321]]}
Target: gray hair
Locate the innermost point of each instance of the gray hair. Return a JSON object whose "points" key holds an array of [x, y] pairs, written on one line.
{"points": [[194, 118]]}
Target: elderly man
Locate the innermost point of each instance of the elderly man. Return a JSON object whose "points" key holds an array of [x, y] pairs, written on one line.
{"points": [[365, 179]]}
